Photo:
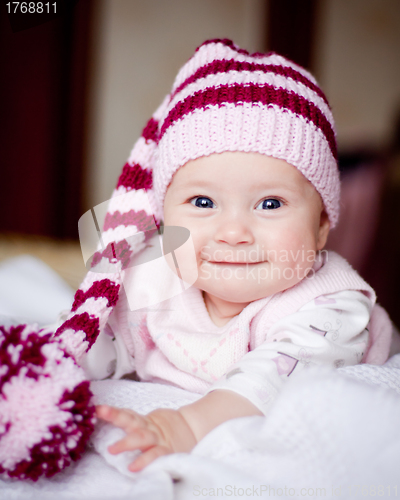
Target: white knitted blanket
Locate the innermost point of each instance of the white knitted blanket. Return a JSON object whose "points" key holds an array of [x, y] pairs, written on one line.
{"points": [[329, 434]]}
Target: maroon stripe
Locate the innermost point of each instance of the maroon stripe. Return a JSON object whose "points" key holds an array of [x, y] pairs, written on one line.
{"points": [[230, 44], [104, 288], [122, 250], [135, 177], [89, 325], [150, 131], [225, 65], [251, 93], [140, 219], [114, 251]]}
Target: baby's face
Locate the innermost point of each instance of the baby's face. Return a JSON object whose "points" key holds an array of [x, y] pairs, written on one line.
{"points": [[256, 223]]}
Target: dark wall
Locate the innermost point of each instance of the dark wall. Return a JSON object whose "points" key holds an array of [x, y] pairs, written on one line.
{"points": [[43, 90], [291, 29]]}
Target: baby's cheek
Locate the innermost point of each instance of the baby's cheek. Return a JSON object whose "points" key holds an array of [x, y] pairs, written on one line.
{"points": [[296, 248]]}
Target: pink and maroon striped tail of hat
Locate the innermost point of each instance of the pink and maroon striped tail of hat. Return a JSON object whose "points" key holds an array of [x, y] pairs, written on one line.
{"points": [[132, 211]]}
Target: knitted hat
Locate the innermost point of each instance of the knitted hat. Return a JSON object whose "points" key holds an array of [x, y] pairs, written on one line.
{"points": [[223, 99]]}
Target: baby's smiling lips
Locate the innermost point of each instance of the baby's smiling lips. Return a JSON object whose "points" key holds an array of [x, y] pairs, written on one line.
{"points": [[230, 263]]}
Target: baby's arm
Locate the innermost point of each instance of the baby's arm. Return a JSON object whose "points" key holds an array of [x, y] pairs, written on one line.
{"points": [[167, 431]]}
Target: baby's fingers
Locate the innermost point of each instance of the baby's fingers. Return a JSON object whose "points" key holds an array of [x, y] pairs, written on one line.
{"points": [[141, 439], [147, 457], [127, 420]]}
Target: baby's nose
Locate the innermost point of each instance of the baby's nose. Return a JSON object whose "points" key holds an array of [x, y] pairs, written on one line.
{"points": [[234, 232]]}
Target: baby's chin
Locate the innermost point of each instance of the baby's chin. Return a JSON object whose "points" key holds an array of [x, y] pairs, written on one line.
{"points": [[238, 293], [244, 285]]}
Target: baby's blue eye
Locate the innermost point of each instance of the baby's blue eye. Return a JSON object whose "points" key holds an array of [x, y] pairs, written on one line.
{"points": [[269, 204], [202, 202]]}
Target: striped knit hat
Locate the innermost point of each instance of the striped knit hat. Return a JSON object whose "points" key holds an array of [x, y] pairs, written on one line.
{"points": [[223, 99]]}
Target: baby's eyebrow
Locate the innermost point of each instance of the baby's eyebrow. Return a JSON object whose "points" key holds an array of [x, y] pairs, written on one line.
{"points": [[209, 184], [201, 183], [274, 186], [281, 187]]}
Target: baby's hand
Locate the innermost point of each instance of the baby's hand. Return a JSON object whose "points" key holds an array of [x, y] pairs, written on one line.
{"points": [[161, 432]]}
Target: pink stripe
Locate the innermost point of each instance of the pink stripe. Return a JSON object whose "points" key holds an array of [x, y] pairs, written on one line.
{"points": [[89, 325], [100, 289], [224, 66], [140, 219], [251, 93], [150, 131], [135, 177]]}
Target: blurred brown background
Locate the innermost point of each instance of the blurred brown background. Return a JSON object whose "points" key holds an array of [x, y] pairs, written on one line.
{"points": [[75, 93]]}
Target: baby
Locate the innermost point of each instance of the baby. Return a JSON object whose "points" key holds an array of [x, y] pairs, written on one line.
{"points": [[242, 153]]}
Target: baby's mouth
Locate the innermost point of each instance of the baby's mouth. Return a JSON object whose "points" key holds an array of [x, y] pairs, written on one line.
{"points": [[229, 263]]}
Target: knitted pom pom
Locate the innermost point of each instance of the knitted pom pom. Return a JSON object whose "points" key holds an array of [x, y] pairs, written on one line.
{"points": [[46, 415]]}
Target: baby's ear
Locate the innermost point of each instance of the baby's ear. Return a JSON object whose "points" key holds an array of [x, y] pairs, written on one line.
{"points": [[323, 231]]}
